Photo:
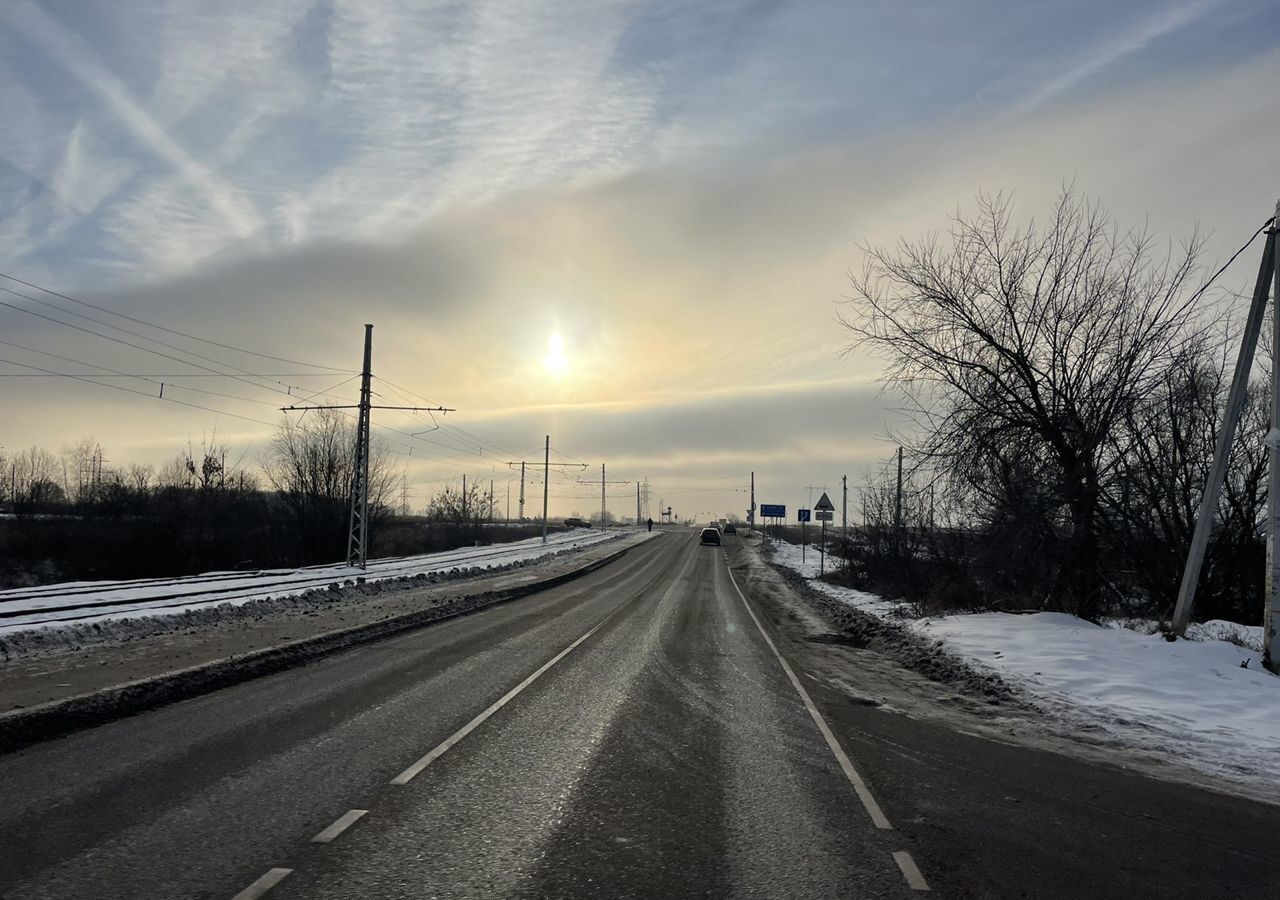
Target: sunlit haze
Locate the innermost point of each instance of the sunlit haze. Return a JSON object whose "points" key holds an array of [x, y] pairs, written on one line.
{"points": [[626, 227]]}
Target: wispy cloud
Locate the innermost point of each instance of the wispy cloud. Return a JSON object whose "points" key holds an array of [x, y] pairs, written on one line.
{"points": [[1107, 53], [79, 59]]}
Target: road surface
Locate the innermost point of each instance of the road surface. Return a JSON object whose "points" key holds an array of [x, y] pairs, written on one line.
{"points": [[633, 733]]}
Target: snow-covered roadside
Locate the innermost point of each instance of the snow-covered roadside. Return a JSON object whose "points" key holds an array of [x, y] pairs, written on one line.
{"points": [[81, 603], [1189, 701]]}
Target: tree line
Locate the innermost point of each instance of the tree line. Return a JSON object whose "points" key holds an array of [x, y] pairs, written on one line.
{"points": [[1065, 381], [71, 515]]}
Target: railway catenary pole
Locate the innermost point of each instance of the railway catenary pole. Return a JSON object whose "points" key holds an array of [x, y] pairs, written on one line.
{"points": [[358, 527], [358, 530], [546, 485]]}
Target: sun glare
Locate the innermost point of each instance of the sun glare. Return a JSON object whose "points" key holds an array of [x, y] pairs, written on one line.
{"points": [[555, 361]]}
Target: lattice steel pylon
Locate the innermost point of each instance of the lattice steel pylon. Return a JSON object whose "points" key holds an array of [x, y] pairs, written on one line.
{"points": [[358, 532]]}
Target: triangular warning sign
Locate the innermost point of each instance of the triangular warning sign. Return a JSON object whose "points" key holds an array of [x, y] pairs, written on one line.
{"points": [[823, 503]]}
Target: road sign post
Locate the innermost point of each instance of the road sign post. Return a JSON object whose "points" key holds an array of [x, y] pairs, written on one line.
{"points": [[774, 511], [803, 515], [824, 509]]}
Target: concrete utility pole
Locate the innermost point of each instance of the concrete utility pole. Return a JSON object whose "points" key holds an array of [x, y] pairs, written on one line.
{"points": [[464, 499], [522, 490], [1221, 453], [1271, 604], [508, 502], [358, 529], [897, 501], [844, 509], [752, 517], [604, 524], [546, 487], [491, 500], [637, 503]]}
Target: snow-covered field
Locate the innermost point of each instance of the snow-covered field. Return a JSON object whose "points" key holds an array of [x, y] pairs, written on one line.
{"points": [[89, 601], [1205, 702]]}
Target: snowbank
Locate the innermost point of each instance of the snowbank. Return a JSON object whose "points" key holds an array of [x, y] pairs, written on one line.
{"points": [[95, 601], [1205, 702]]}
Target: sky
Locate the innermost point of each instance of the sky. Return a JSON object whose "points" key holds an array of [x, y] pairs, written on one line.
{"points": [[629, 226]]}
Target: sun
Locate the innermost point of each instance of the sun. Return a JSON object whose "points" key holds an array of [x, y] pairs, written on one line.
{"points": [[555, 361]]}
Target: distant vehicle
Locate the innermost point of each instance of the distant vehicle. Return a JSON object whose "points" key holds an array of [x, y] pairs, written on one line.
{"points": [[575, 522], [711, 536], [731, 529]]}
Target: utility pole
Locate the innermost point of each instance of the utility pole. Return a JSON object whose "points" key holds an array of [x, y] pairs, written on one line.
{"points": [[358, 532], [491, 500], [637, 503], [546, 479], [603, 509], [844, 520], [464, 499], [1267, 272], [752, 517], [897, 499], [508, 502], [1271, 605], [844, 508], [358, 529]]}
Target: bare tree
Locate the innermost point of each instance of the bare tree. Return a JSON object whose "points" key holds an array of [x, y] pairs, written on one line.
{"points": [[1021, 349], [464, 511], [310, 464]]}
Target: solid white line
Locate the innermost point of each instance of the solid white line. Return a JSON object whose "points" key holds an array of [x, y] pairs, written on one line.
{"points": [[910, 871], [262, 885], [345, 821], [410, 773], [859, 786]]}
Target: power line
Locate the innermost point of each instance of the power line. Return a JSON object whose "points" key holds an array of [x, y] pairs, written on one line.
{"points": [[184, 334], [1204, 287], [288, 389], [127, 390]]}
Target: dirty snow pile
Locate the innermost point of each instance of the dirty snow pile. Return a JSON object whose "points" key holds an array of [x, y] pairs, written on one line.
{"points": [[1205, 702]]}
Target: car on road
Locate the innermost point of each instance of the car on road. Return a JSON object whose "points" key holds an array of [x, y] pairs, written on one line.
{"points": [[575, 522], [731, 529], [711, 536]]}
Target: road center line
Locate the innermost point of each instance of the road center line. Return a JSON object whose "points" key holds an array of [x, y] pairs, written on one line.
{"points": [[910, 871], [443, 747], [859, 786], [345, 821], [262, 885]]}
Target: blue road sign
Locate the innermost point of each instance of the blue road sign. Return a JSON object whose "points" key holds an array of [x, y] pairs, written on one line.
{"points": [[773, 510], [803, 514]]}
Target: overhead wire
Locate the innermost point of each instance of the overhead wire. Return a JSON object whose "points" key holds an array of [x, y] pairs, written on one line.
{"points": [[166, 329]]}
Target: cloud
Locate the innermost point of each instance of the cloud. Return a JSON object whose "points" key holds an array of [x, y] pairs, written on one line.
{"points": [[696, 297], [1108, 52], [78, 58]]}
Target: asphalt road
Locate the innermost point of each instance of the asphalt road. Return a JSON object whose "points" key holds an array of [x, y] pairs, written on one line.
{"points": [[630, 734]]}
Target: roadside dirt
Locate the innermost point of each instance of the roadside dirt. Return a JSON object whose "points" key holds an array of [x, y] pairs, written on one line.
{"points": [[877, 663]]}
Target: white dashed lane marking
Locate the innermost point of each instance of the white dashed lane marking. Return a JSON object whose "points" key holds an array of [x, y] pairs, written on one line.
{"points": [[262, 885], [910, 871], [443, 747], [345, 821]]}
